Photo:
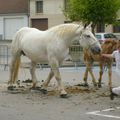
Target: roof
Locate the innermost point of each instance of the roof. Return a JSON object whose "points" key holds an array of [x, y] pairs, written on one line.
{"points": [[13, 6]]}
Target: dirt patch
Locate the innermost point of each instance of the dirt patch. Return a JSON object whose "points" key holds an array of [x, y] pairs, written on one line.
{"points": [[53, 91]]}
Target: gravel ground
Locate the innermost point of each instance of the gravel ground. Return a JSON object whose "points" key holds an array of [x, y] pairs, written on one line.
{"points": [[25, 104]]}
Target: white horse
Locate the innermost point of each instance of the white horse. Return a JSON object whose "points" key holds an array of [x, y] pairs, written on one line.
{"points": [[52, 46]]}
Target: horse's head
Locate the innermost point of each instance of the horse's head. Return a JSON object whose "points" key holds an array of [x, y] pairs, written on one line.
{"points": [[89, 41]]}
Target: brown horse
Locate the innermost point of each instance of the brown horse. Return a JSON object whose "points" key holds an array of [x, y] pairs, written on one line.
{"points": [[107, 47]]}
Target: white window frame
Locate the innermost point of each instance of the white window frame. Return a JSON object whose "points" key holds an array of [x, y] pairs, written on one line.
{"points": [[39, 6]]}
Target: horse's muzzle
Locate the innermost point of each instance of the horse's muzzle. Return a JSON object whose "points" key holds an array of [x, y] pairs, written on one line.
{"points": [[96, 50]]}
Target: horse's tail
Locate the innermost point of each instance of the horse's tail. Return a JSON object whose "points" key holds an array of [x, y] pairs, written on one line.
{"points": [[16, 53], [15, 68], [16, 42]]}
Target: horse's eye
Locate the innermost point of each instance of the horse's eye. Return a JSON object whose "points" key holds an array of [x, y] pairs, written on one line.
{"points": [[88, 36]]}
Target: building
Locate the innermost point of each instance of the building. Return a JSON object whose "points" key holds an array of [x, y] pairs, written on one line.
{"points": [[110, 28], [41, 14], [46, 13], [13, 15]]}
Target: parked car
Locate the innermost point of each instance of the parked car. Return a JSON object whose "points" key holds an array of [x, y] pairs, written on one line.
{"points": [[104, 36]]}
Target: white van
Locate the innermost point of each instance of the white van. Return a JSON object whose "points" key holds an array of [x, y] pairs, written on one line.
{"points": [[104, 36]]}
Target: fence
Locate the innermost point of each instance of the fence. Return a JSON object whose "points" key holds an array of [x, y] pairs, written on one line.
{"points": [[4, 56], [75, 53]]}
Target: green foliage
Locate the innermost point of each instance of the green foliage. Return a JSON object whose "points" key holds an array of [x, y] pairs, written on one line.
{"points": [[97, 11]]}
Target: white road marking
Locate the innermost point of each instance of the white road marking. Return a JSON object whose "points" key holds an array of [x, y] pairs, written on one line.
{"points": [[105, 115], [111, 109]]}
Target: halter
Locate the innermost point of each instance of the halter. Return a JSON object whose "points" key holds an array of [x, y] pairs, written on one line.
{"points": [[93, 43], [90, 45]]}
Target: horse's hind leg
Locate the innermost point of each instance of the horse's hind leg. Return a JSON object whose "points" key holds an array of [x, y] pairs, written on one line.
{"points": [[33, 75], [47, 81], [11, 69]]}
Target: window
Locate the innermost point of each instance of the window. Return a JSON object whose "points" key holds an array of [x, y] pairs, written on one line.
{"points": [[116, 28], [98, 36], [39, 6], [100, 27]]}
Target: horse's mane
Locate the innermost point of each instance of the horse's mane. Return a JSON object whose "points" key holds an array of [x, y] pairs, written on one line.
{"points": [[109, 46], [64, 29]]}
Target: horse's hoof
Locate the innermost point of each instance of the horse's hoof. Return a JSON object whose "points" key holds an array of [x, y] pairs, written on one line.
{"points": [[64, 96], [38, 89], [18, 82], [44, 91], [83, 84], [95, 84], [27, 81], [86, 85], [21, 86], [99, 85], [113, 95], [11, 87]]}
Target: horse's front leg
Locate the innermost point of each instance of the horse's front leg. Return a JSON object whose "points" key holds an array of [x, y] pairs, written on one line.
{"points": [[33, 75], [89, 67], [100, 76], [55, 68], [93, 77], [110, 77], [57, 75], [85, 77]]}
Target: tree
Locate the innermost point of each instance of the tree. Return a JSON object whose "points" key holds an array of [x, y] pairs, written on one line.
{"points": [[95, 11]]}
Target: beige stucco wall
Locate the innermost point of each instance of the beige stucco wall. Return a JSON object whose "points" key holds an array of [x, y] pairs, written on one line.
{"points": [[109, 29], [52, 9]]}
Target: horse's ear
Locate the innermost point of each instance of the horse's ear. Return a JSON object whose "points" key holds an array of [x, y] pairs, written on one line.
{"points": [[85, 25], [89, 26]]}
